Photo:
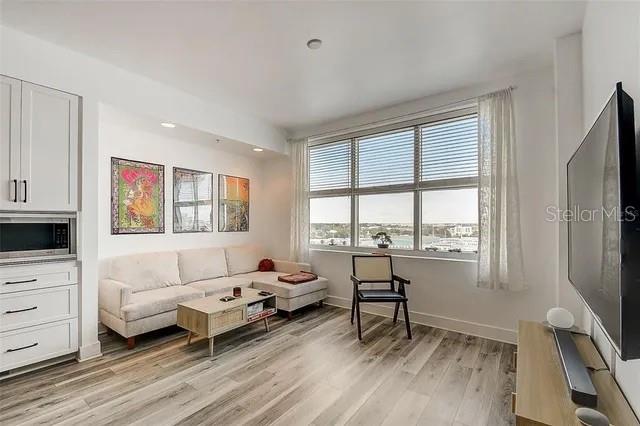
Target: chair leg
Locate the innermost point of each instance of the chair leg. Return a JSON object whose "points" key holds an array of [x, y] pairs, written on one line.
{"points": [[131, 342], [395, 312], [358, 320], [353, 307], [406, 319]]}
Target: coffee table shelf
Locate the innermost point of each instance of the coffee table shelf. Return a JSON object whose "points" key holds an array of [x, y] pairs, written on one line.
{"points": [[210, 316]]}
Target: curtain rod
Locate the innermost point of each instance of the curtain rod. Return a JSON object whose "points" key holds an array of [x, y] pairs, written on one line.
{"points": [[396, 118]]}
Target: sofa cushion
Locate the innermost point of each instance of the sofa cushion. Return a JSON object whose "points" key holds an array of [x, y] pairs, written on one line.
{"points": [[201, 264], [263, 276], [269, 281], [152, 302], [218, 285], [146, 271], [243, 259]]}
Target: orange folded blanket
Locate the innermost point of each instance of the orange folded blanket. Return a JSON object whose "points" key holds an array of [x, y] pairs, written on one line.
{"points": [[298, 278]]}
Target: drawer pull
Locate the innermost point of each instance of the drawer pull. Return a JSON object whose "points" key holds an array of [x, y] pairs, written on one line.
{"points": [[21, 310], [33, 280], [24, 347]]}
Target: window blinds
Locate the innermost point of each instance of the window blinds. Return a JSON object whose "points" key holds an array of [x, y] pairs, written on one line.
{"points": [[447, 152], [386, 159], [330, 166], [449, 149]]}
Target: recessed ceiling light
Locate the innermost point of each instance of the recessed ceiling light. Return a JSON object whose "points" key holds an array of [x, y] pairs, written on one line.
{"points": [[258, 149], [314, 43], [167, 124]]}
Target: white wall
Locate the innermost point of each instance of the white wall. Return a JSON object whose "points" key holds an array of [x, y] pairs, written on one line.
{"points": [[125, 139], [28, 58], [442, 292], [569, 131], [611, 53]]}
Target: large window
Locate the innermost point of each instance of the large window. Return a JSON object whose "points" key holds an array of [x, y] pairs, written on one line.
{"points": [[415, 182]]}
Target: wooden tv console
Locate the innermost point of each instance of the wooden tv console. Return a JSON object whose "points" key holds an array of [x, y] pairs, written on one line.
{"points": [[542, 396]]}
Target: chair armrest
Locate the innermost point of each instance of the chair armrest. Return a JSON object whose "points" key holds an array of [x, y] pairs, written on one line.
{"points": [[401, 280], [113, 295], [291, 267], [355, 280]]}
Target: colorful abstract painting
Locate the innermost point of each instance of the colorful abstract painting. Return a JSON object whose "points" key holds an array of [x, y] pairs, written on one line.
{"points": [[233, 204], [137, 197]]}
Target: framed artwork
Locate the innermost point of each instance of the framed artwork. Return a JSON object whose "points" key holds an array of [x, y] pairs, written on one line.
{"points": [[137, 197], [233, 204], [192, 201]]}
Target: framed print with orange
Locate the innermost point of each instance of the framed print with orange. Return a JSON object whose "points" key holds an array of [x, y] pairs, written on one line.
{"points": [[233, 204], [137, 197]]}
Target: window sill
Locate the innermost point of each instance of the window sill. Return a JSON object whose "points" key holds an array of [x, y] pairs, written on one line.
{"points": [[407, 254]]}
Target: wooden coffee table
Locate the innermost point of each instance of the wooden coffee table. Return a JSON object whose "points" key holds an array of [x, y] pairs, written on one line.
{"points": [[210, 316]]}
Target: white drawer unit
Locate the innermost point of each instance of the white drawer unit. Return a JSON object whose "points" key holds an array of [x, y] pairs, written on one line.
{"points": [[27, 308], [32, 277], [38, 313], [33, 344]]}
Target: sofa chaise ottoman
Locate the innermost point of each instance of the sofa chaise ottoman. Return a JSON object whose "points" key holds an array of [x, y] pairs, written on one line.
{"points": [[290, 296], [142, 291]]}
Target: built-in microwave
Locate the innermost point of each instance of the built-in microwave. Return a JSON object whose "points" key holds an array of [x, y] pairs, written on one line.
{"points": [[36, 237]]}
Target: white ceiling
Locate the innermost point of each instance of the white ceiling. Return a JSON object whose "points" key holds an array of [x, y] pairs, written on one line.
{"points": [[253, 56], [116, 116]]}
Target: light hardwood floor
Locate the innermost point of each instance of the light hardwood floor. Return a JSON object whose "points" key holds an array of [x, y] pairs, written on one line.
{"points": [[311, 370]]}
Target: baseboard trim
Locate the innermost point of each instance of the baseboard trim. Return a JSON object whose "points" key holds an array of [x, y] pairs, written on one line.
{"points": [[88, 352], [466, 327]]}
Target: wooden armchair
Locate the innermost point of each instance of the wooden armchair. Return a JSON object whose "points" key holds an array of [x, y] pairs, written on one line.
{"points": [[378, 269]]}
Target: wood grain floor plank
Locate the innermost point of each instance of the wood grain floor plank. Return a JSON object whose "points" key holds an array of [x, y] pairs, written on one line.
{"points": [[312, 369], [447, 397], [382, 400], [307, 409], [433, 370], [500, 413], [172, 414], [426, 347], [476, 403], [407, 410]]}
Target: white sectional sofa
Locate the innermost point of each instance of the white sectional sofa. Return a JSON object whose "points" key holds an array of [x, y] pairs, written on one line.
{"points": [[142, 291]]}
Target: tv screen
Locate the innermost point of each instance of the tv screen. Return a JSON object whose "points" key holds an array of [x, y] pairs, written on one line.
{"points": [[603, 243]]}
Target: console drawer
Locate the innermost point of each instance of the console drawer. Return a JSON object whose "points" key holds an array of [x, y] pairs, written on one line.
{"points": [[28, 308], [22, 278], [34, 344]]}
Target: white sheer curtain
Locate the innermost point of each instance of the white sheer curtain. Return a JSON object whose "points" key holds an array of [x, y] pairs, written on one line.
{"points": [[500, 263], [299, 244]]}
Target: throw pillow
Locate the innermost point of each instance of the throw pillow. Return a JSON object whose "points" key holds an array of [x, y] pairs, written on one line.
{"points": [[266, 265]]}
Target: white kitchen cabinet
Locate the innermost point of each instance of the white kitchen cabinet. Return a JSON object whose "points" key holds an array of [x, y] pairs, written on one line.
{"points": [[10, 93], [48, 150], [39, 132]]}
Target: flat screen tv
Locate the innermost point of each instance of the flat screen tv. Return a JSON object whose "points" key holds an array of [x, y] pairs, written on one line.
{"points": [[603, 178]]}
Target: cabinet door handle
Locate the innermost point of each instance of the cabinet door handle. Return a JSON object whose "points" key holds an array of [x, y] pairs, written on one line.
{"points": [[15, 190], [33, 280], [21, 310], [23, 347], [25, 191]]}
